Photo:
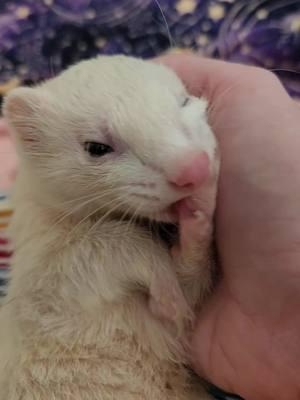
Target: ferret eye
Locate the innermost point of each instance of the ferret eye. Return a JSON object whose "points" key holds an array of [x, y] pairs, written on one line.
{"points": [[97, 149], [185, 101]]}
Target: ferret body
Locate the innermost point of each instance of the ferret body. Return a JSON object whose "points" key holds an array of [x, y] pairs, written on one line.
{"points": [[98, 306]]}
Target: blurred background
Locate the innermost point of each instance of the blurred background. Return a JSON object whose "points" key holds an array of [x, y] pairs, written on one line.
{"points": [[39, 38]]}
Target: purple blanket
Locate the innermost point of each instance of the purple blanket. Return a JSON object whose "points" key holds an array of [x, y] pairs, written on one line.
{"points": [[40, 37]]}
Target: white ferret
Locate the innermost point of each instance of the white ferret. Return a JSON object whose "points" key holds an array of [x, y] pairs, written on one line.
{"points": [[98, 306]]}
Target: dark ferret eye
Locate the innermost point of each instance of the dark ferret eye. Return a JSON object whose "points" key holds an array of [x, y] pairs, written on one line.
{"points": [[185, 102], [97, 149]]}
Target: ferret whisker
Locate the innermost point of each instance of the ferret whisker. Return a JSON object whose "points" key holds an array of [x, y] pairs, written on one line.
{"points": [[110, 202], [61, 217], [93, 213], [104, 217], [125, 214], [64, 215], [134, 216], [74, 210], [171, 40], [51, 67], [122, 219], [284, 70], [97, 196], [76, 200], [211, 108], [137, 213], [150, 227]]}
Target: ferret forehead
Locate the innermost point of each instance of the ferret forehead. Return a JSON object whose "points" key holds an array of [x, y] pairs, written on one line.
{"points": [[116, 75], [121, 95]]}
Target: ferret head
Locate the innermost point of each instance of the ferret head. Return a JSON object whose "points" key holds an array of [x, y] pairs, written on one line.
{"points": [[113, 134]]}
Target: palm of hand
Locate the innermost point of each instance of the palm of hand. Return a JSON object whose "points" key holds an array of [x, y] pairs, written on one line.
{"points": [[248, 340]]}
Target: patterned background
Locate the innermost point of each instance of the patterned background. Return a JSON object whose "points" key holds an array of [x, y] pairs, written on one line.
{"points": [[39, 38]]}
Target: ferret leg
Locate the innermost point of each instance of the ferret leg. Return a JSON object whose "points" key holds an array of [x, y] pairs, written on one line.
{"points": [[154, 272], [194, 254]]}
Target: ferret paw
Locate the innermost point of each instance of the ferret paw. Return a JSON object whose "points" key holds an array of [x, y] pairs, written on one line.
{"points": [[168, 304], [195, 234]]}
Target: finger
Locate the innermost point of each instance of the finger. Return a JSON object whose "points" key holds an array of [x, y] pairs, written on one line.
{"points": [[207, 77], [3, 128], [204, 76]]}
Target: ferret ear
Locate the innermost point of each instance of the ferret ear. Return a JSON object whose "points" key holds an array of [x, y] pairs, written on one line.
{"points": [[19, 109]]}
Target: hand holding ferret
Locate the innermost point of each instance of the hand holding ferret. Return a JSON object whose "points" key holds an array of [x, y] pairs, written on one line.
{"points": [[247, 339]]}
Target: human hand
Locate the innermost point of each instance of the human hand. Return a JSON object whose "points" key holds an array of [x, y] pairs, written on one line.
{"points": [[248, 336]]}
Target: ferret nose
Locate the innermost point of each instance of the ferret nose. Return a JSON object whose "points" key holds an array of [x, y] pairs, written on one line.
{"points": [[193, 173]]}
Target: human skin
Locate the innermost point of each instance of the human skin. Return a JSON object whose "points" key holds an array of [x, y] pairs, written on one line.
{"points": [[248, 336]]}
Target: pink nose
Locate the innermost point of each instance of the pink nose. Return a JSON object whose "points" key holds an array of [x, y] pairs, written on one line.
{"points": [[193, 173]]}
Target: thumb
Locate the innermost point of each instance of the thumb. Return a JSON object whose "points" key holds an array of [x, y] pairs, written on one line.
{"points": [[203, 76]]}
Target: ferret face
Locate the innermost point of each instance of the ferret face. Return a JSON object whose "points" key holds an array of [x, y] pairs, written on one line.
{"points": [[113, 134]]}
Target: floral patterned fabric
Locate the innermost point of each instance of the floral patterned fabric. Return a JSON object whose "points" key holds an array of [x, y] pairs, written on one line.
{"points": [[39, 38]]}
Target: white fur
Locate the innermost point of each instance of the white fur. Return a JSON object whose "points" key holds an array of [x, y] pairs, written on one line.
{"points": [[77, 323]]}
